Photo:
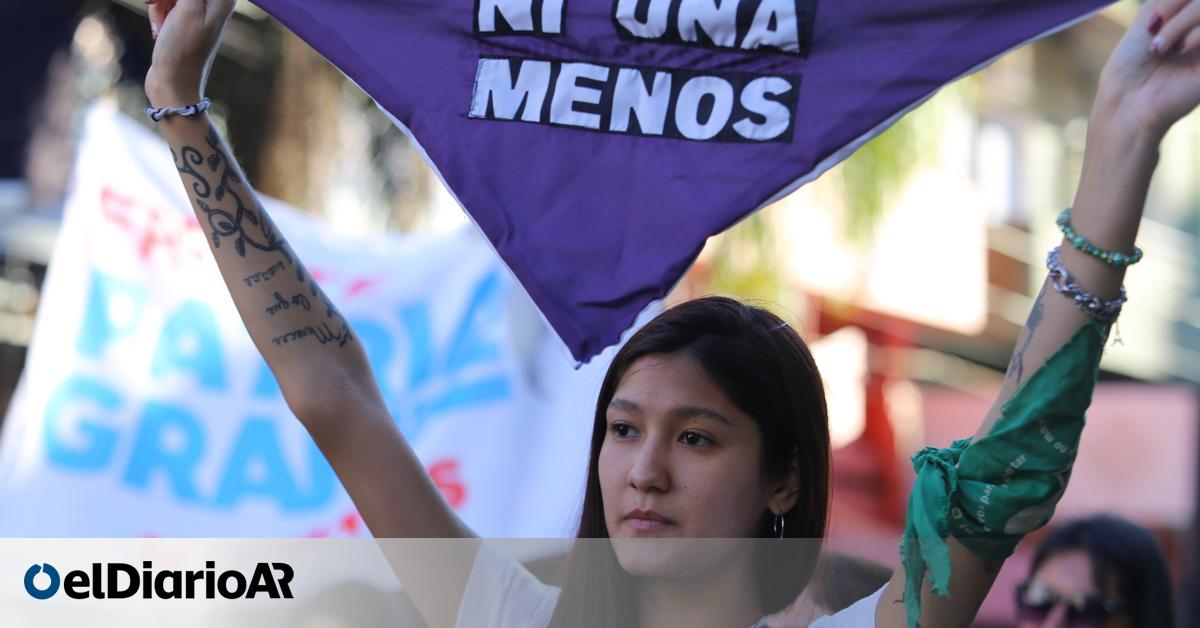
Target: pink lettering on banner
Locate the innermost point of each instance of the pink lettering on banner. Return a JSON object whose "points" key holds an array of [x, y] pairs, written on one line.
{"points": [[347, 525], [348, 287], [445, 475], [154, 229], [360, 285], [446, 479], [179, 240]]}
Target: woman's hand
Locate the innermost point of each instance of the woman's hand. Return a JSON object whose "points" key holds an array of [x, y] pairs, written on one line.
{"points": [[187, 33], [1152, 78]]}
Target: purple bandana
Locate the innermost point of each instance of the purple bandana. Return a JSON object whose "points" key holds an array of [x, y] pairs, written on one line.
{"points": [[599, 143]]}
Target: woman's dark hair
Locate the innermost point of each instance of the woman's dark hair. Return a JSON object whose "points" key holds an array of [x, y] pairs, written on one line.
{"points": [[762, 365], [1122, 553]]}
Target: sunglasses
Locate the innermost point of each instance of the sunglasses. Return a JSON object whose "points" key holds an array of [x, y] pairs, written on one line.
{"points": [[1035, 601]]}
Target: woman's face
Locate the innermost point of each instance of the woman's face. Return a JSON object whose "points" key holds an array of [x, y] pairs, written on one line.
{"points": [[681, 461], [1066, 575]]}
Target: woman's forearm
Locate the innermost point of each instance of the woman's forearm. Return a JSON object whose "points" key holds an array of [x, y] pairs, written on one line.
{"points": [[305, 340], [1118, 163], [319, 364], [1046, 390]]}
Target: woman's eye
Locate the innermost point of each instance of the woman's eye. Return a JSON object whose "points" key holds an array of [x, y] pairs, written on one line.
{"points": [[695, 440], [622, 430]]}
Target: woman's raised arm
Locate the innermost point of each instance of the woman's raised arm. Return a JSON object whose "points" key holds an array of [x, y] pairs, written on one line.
{"points": [[1151, 81], [319, 363]]}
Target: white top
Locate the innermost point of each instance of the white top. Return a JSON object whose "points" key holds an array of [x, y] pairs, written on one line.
{"points": [[501, 593]]}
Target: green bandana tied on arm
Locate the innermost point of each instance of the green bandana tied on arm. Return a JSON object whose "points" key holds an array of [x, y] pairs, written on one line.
{"points": [[989, 494]]}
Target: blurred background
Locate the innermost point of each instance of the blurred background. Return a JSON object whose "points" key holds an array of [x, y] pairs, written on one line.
{"points": [[911, 267]]}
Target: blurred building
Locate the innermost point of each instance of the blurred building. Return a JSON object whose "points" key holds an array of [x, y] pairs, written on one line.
{"points": [[940, 288], [302, 132]]}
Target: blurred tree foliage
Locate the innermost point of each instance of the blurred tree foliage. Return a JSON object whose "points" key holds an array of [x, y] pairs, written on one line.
{"points": [[745, 262], [874, 174]]}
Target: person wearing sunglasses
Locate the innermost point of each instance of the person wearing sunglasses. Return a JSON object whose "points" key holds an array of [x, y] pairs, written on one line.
{"points": [[1099, 572]]}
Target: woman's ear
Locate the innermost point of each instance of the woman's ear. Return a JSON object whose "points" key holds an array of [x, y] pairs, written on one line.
{"points": [[786, 491]]}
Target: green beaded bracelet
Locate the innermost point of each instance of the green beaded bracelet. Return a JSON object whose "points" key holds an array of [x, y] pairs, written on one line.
{"points": [[1112, 258]]}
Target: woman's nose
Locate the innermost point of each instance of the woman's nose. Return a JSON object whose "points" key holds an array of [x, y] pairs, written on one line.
{"points": [[650, 470]]}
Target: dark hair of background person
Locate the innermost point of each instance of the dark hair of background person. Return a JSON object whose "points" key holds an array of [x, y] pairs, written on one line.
{"points": [[1122, 553], [762, 365]]}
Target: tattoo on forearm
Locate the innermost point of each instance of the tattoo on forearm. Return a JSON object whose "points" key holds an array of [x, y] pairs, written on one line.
{"points": [[264, 275], [192, 157], [323, 334], [1016, 368], [282, 304], [224, 224], [213, 179]]}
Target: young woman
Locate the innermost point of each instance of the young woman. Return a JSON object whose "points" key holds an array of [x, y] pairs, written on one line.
{"points": [[711, 422], [1099, 572]]}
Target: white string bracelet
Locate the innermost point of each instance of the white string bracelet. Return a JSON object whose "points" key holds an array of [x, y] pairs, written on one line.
{"points": [[189, 111]]}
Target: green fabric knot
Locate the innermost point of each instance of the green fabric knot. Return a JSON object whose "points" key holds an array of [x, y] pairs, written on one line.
{"points": [[990, 493]]}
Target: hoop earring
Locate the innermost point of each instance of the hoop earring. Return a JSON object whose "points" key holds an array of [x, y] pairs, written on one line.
{"points": [[777, 527]]}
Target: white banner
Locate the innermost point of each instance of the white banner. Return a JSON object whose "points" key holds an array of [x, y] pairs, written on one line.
{"points": [[144, 410]]}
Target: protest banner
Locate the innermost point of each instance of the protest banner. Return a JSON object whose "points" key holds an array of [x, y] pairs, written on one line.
{"points": [[599, 143], [145, 410]]}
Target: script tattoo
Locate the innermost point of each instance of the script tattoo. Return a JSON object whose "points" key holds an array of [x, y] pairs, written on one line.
{"points": [[1016, 368], [264, 275], [281, 303], [323, 334], [213, 177]]}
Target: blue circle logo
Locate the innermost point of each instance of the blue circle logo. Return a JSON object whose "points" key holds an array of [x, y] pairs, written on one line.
{"points": [[33, 590]]}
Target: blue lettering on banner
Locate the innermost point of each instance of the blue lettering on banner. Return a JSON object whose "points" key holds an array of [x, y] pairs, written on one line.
{"points": [[439, 384], [190, 342], [109, 298], [377, 343], [168, 444], [95, 441], [256, 468], [266, 387], [171, 441]]}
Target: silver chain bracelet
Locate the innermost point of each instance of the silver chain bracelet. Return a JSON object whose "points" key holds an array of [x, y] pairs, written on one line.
{"points": [[189, 111], [1103, 311]]}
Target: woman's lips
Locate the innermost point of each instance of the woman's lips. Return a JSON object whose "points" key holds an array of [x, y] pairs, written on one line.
{"points": [[646, 524], [639, 519]]}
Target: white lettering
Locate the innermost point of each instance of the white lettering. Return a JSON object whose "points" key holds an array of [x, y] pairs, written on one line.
{"points": [[786, 34], [552, 16], [754, 99], [630, 96], [518, 14], [729, 107], [494, 85], [717, 18], [567, 92], [687, 107], [655, 24]]}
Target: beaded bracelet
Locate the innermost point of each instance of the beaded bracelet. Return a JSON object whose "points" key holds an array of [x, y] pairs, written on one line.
{"points": [[1103, 311], [1112, 258], [186, 112]]}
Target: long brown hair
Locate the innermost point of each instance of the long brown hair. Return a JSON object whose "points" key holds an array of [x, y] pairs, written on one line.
{"points": [[762, 365]]}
